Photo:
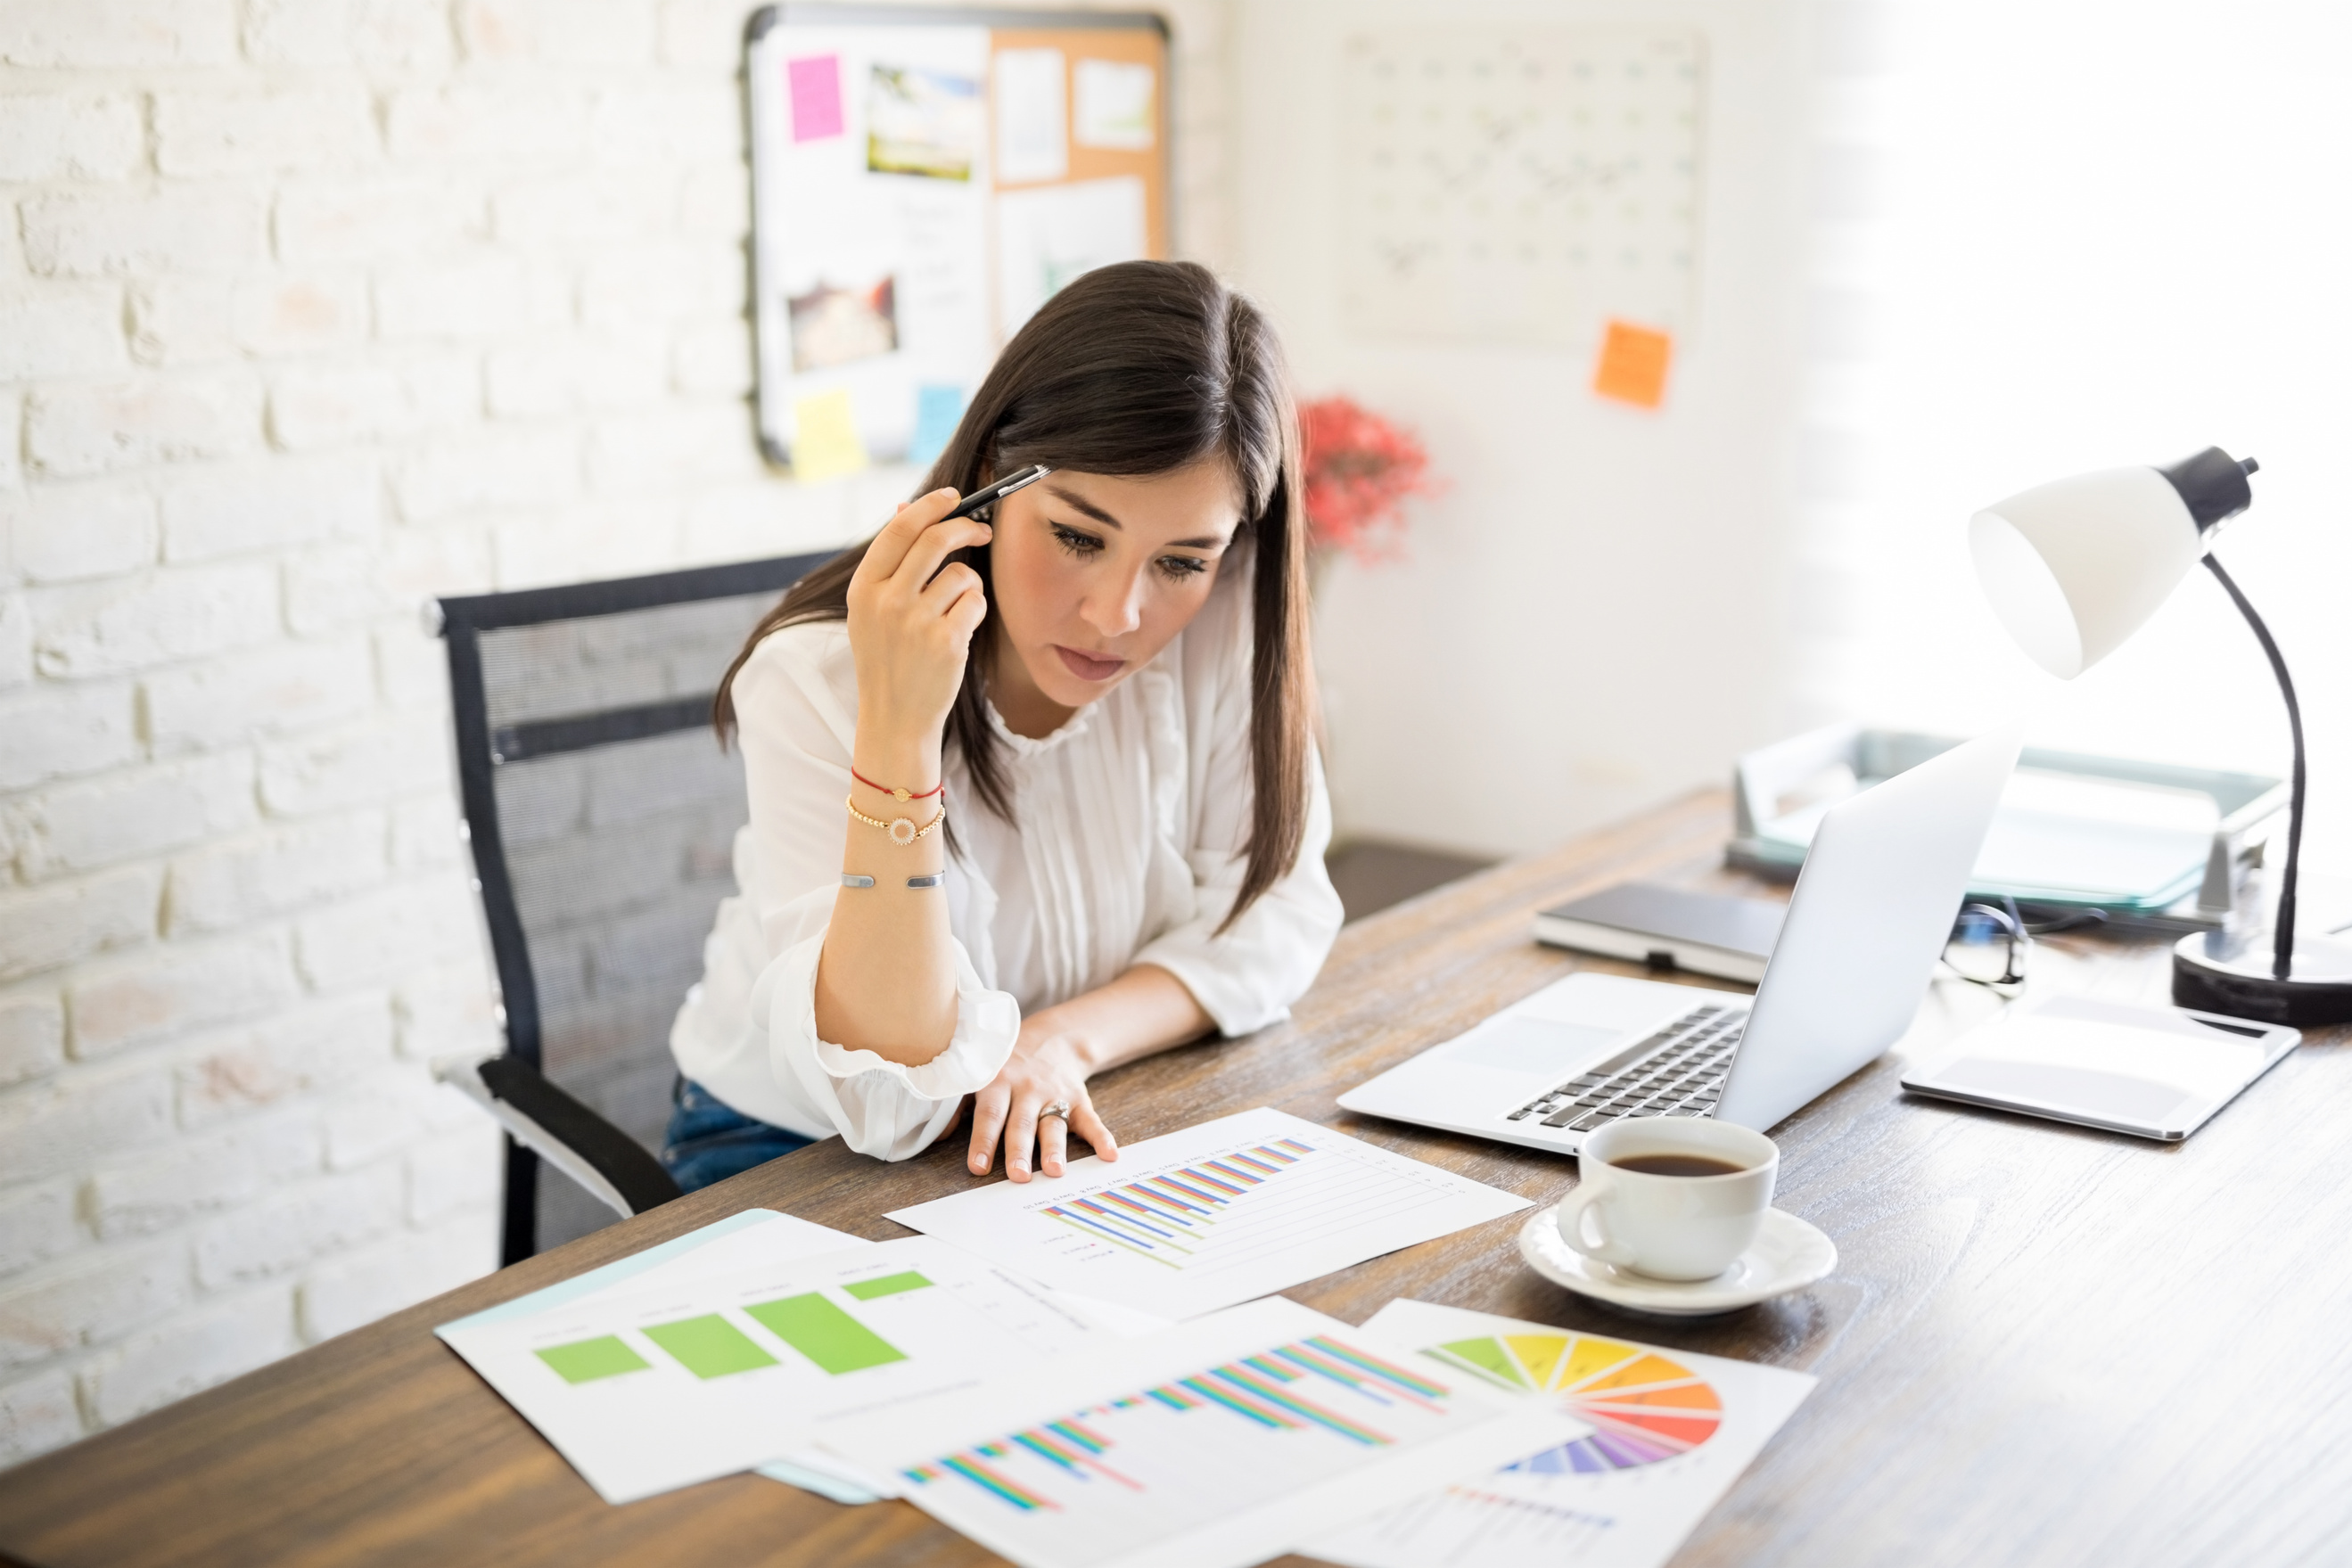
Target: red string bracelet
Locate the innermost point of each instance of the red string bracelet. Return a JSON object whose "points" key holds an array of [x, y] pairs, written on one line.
{"points": [[898, 794]]}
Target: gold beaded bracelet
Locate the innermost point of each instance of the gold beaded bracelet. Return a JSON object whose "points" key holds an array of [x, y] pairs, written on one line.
{"points": [[902, 830]]}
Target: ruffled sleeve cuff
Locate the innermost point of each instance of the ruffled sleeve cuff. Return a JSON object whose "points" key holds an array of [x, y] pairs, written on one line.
{"points": [[881, 1107]]}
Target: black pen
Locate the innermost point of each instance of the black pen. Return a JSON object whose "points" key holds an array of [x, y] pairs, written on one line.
{"points": [[989, 495]]}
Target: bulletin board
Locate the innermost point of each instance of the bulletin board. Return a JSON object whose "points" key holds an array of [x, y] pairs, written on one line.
{"points": [[922, 181]]}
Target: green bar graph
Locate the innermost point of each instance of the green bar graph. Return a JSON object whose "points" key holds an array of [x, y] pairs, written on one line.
{"points": [[709, 1346], [888, 1285], [825, 1334], [585, 1361]]}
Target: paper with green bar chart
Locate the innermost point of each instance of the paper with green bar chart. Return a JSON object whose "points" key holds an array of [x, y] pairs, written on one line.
{"points": [[645, 1391], [1211, 1444], [1216, 1213]]}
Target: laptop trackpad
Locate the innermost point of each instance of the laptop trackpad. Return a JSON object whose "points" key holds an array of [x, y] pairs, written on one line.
{"points": [[1533, 1045]]}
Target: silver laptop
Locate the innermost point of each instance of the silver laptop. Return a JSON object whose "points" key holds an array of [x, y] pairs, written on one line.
{"points": [[1872, 911]]}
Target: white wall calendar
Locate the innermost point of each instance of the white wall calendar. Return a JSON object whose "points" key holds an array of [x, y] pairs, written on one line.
{"points": [[1521, 185]]}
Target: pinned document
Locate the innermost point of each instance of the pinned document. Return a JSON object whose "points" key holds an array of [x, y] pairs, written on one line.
{"points": [[1048, 238], [1032, 143], [1634, 362], [825, 443]]}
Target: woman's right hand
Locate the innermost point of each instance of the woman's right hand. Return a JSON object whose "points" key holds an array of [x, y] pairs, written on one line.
{"points": [[910, 626]]}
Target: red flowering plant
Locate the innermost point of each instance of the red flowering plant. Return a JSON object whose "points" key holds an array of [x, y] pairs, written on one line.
{"points": [[1360, 470]]}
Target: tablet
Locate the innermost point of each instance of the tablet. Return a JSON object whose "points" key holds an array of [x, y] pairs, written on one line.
{"points": [[2153, 1071], [1669, 928]]}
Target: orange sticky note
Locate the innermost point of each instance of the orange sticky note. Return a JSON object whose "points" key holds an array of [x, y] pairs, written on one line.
{"points": [[1633, 367], [825, 443]]}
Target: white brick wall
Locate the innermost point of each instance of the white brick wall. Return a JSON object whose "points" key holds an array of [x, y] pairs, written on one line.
{"points": [[309, 309]]}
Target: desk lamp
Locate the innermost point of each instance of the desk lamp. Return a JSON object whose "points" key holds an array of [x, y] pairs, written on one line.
{"points": [[2074, 568]]}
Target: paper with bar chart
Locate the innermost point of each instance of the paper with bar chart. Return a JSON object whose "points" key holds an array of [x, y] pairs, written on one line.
{"points": [[1221, 1441], [1668, 1432], [644, 1391], [1220, 1213], [743, 1239]]}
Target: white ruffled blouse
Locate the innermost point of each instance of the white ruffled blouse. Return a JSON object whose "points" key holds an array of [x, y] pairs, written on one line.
{"points": [[1127, 848]]}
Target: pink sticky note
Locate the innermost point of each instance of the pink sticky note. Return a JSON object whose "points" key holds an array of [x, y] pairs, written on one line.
{"points": [[815, 82]]}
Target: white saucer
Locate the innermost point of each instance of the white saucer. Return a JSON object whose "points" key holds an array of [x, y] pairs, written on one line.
{"points": [[1789, 1255]]}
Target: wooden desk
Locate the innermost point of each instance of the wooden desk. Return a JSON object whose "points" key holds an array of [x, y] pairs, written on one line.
{"points": [[2042, 1345]]}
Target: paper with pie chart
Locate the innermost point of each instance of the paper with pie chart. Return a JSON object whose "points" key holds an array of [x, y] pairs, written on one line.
{"points": [[1670, 1433], [644, 1391], [1214, 1214]]}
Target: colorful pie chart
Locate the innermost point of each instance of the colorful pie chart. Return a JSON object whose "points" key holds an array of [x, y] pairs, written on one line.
{"points": [[1643, 1407]]}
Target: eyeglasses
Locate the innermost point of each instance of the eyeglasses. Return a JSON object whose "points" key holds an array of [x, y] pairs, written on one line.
{"points": [[1988, 946], [1990, 943]]}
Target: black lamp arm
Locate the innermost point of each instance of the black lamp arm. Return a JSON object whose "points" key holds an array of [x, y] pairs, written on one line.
{"points": [[2282, 950]]}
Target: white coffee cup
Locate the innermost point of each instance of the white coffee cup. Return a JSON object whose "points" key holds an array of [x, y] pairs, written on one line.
{"points": [[1669, 1226]]}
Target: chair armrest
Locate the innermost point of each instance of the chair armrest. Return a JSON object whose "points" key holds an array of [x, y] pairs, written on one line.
{"points": [[613, 1167]]}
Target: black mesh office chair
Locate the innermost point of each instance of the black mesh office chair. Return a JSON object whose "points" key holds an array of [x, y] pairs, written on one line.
{"points": [[601, 815]]}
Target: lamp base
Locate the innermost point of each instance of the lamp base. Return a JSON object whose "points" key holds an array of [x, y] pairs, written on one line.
{"points": [[2216, 973]]}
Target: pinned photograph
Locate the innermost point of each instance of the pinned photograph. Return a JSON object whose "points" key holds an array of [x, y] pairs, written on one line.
{"points": [[922, 123], [832, 326], [1113, 100]]}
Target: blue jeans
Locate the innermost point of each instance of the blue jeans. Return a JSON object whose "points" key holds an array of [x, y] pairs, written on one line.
{"points": [[709, 1140]]}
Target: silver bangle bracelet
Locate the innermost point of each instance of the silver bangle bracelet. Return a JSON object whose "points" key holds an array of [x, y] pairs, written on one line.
{"points": [[937, 879]]}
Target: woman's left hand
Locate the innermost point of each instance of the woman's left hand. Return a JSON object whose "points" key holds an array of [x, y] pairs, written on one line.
{"points": [[1049, 1064]]}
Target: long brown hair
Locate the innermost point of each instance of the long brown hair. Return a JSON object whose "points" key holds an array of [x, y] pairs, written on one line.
{"points": [[1137, 369]]}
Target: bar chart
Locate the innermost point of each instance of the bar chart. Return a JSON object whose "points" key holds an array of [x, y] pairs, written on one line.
{"points": [[1222, 1440], [709, 1345], [1263, 1390], [1216, 1215], [1170, 1217], [647, 1390]]}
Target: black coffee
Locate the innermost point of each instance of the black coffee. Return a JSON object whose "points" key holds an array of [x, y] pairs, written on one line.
{"points": [[1677, 1165]]}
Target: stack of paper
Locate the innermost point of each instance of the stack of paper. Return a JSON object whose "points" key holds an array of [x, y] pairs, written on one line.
{"points": [[1008, 1374]]}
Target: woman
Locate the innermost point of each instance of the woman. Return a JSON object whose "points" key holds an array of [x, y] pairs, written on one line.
{"points": [[1106, 683]]}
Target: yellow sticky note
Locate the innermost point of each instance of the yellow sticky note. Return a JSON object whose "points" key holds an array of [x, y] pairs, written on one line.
{"points": [[1633, 367], [825, 437]]}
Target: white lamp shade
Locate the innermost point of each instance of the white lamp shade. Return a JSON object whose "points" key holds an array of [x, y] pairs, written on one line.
{"points": [[2074, 566]]}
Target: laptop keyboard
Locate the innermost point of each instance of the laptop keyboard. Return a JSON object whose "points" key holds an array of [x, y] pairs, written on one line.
{"points": [[1677, 1072]]}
